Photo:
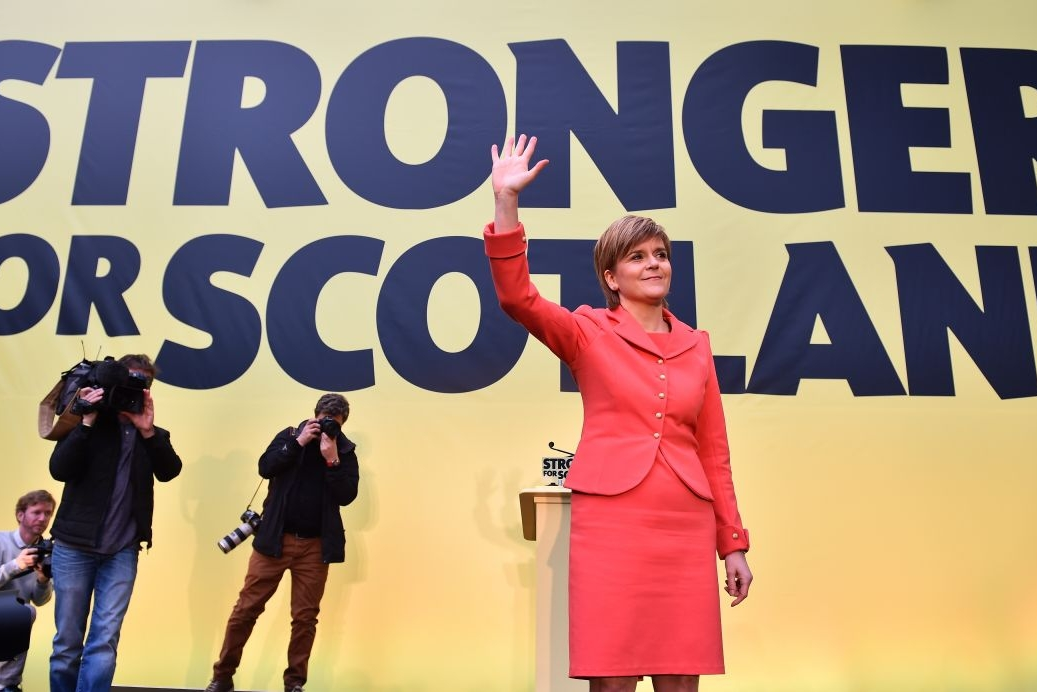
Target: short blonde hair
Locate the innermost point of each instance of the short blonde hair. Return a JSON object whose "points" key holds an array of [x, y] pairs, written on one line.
{"points": [[621, 235]]}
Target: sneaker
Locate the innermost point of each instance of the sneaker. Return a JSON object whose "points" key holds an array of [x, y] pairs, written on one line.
{"points": [[220, 686], [293, 688]]}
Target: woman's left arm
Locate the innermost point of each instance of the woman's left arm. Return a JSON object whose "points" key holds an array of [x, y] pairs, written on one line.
{"points": [[738, 576], [715, 456]]}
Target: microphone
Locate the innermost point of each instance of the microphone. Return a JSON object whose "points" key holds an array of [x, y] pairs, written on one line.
{"points": [[552, 446]]}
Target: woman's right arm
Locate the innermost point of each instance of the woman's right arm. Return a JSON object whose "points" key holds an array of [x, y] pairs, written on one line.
{"points": [[505, 239]]}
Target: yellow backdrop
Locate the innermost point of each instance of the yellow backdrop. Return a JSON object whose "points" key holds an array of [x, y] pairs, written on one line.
{"points": [[892, 535]]}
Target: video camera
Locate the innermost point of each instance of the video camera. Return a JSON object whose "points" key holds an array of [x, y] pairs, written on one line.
{"points": [[123, 389]]}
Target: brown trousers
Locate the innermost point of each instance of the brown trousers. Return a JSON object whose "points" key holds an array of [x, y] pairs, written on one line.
{"points": [[301, 557]]}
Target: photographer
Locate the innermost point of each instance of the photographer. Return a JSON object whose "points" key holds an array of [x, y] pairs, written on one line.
{"points": [[108, 463], [313, 471], [18, 559]]}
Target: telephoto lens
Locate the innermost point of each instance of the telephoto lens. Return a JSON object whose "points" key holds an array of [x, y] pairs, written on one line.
{"points": [[250, 522]]}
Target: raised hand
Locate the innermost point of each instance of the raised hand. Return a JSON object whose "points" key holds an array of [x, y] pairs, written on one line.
{"points": [[511, 174], [511, 171]]}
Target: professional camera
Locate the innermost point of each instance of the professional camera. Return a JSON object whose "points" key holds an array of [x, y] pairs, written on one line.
{"points": [[249, 523], [123, 390], [44, 548], [330, 427]]}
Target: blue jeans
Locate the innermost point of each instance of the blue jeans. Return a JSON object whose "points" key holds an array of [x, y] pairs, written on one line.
{"points": [[79, 577]]}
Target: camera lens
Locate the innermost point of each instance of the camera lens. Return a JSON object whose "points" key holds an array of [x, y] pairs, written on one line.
{"points": [[235, 538]]}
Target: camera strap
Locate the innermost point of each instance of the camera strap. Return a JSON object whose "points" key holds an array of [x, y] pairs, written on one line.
{"points": [[253, 499]]}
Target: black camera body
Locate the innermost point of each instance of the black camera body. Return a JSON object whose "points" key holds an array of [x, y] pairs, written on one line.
{"points": [[123, 389], [44, 549], [250, 521], [330, 427]]}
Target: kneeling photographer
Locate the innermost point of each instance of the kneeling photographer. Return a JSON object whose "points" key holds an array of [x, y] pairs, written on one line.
{"points": [[109, 463], [313, 471], [24, 570]]}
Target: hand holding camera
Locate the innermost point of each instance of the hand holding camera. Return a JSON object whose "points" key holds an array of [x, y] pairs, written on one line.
{"points": [[35, 558], [143, 420], [27, 558], [315, 427], [309, 432], [87, 401]]}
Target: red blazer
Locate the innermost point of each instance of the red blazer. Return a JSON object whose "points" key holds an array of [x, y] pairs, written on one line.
{"points": [[638, 401]]}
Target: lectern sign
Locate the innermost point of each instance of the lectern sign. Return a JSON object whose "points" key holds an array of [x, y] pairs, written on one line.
{"points": [[555, 469]]}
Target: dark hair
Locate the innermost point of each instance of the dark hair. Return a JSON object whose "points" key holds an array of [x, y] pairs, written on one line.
{"points": [[34, 497], [139, 361], [333, 405], [621, 235]]}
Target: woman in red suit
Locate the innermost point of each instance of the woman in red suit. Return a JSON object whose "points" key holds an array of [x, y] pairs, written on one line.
{"points": [[653, 500]]}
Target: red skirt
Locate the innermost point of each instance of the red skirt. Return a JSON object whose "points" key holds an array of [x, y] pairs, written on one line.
{"points": [[644, 597]]}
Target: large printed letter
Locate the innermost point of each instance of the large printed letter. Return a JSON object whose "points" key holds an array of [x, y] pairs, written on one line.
{"points": [[41, 286], [476, 117], [291, 314], [85, 288], [816, 284], [632, 145], [1006, 138], [933, 301], [403, 320], [882, 131], [24, 132], [217, 124], [120, 71], [713, 134], [232, 321]]}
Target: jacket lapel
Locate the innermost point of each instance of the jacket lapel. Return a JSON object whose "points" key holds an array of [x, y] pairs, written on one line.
{"points": [[682, 336]]}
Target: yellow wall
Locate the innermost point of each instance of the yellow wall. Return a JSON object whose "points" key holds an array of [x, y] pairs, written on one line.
{"points": [[892, 536]]}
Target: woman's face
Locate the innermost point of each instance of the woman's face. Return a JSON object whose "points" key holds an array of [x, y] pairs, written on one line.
{"points": [[643, 274]]}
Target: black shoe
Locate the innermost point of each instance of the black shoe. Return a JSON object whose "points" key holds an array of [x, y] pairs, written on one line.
{"points": [[220, 686]]}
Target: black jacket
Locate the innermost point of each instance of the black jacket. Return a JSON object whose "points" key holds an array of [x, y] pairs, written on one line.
{"points": [[280, 463], [86, 461]]}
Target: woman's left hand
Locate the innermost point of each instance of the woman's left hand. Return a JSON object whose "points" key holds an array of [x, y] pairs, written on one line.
{"points": [[738, 576]]}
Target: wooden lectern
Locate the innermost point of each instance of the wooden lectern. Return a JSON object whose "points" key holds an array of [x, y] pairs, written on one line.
{"points": [[545, 519]]}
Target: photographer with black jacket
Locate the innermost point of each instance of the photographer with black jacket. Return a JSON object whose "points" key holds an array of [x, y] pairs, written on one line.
{"points": [[313, 471], [108, 463]]}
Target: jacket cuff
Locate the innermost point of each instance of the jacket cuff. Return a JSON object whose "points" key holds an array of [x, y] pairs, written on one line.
{"points": [[501, 245], [730, 539]]}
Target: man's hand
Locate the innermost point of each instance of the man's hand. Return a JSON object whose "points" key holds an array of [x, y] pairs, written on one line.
{"points": [[144, 421], [93, 397], [26, 559], [329, 450], [310, 432]]}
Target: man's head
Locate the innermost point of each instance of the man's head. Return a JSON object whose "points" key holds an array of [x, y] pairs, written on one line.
{"points": [[334, 405], [33, 512]]}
